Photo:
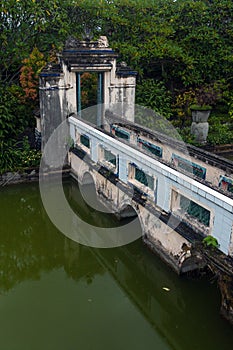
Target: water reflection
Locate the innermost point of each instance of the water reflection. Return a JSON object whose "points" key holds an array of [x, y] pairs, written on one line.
{"points": [[133, 287]]}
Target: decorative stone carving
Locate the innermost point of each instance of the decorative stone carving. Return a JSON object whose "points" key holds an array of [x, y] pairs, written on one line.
{"points": [[73, 43], [123, 64], [103, 41], [200, 116]]}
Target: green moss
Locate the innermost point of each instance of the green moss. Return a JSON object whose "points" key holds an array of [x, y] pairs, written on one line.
{"points": [[200, 108]]}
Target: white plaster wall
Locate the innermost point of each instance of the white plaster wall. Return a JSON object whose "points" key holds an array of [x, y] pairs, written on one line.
{"points": [[169, 239], [120, 91], [70, 81], [212, 173]]}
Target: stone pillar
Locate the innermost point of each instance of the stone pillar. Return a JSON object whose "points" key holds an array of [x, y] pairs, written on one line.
{"points": [[52, 104], [122, 91], [200, 126], [99, 120], [78, 93], [123, 169]]}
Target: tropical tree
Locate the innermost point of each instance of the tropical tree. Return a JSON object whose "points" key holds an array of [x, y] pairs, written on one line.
{"points": [[29, 74], [25, 24], [176, 46]]}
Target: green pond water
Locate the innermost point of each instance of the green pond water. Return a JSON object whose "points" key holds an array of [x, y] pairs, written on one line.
{"points": [[56, 294]]}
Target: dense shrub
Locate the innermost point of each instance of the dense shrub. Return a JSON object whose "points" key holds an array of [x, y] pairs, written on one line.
{"points": [[18, 157], [153, 94]]}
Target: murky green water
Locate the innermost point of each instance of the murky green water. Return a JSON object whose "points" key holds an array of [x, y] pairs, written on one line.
{"points": [[56, 294]]}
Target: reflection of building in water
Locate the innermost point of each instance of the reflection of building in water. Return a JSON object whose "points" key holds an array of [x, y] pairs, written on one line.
{"points": [[37, 248], [156, 292], [79, 263]]}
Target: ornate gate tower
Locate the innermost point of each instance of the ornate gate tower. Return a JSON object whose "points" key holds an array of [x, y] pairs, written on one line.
{"points": [[61, 84]]}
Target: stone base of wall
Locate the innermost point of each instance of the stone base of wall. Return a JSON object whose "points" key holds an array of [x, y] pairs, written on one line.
{"points": [[29, 175], [193, 263], [19, 177]]}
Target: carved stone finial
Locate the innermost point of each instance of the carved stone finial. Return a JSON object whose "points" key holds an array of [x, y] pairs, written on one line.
{"points": [[103, 41], [123, 64]]}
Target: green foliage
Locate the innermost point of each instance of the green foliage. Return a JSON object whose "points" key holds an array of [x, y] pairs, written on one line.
{"points": [[8, 156], [228, 96], [14, 116], [186, 42], [210, 241], [89, 89], [24, 25], [206, 96], [175, 46], [153, 94], [181, 107], [186, 136], [200, 107], [219, 132], [231, 109], [14, 157], [204, 30]]}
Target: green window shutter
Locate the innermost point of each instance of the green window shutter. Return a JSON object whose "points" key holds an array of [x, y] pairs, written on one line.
{"points": [[85, 140], [195, 210], [184, 203], [122, 134], [147, 146], [150, 181], [145, 179], [189, 166], [110, 157]]}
